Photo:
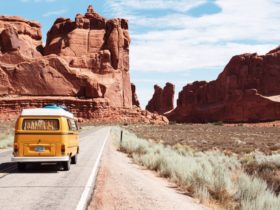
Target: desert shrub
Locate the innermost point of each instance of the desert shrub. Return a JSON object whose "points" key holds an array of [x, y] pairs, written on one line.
{"points": [[253, 194], [202, 194], [261, 158], [183, 149], [206, 175], [6, 139], [219, 123], [265, 167]]}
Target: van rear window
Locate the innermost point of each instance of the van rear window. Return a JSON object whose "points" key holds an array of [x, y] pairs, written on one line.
{"points": [[41, 124]]}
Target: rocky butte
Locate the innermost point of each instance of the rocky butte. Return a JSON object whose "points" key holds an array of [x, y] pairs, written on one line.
{"points": [[162, 100], [84, 65], [248, 90]]}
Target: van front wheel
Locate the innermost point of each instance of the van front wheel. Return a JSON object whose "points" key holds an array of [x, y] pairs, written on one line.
{"points": [[66, 165], [74, 159]]}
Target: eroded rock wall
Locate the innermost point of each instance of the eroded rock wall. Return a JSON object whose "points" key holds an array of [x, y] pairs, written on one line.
{"points": [[87, 58], [246, 91], [162, 100]]}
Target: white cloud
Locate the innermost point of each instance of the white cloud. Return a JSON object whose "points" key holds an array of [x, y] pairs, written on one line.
{"points": [[179, 42], [54, 13], [126, 6]]}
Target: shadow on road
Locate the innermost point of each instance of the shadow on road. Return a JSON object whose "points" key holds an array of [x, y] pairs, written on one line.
{"points": [[9, 168]]}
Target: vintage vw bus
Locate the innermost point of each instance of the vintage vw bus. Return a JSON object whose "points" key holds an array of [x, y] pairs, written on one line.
{"points": [[46, 135]]}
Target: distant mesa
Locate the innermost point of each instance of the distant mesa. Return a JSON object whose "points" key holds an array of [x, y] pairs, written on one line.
{"points": [[84, 65], [248, 90]]}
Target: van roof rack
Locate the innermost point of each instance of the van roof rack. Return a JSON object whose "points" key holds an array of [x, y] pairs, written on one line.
{"points": [[47, 112], [55, 106]]}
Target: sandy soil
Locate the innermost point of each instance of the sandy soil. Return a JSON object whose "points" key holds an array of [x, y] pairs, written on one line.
{"points": [[239, 139], [122, 185]]}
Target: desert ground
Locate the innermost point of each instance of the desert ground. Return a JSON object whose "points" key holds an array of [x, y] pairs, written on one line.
{"points": [[255, 146], [231, 138]]}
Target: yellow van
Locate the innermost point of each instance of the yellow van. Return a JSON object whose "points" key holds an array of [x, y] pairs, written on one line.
{"points": [[46, 135]]}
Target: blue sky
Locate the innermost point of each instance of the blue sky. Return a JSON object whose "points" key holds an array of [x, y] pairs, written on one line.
{"points": [[177, 41]]}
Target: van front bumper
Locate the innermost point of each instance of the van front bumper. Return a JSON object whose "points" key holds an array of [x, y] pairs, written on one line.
{"points": [[40, 159]]}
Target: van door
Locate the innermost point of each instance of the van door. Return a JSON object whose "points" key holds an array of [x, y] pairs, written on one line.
{"points": [[39, 137]]}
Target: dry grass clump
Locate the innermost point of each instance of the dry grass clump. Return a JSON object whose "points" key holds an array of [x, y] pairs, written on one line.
{"points": [[254, 194], [267, 168], [6, 138], [209, 175]]}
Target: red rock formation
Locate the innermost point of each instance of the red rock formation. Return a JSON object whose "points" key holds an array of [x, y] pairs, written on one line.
{"points": [[86, 110], [163, 99], [248, 90], [77, 62], [135, 101], [85, 64], [21, 36]]}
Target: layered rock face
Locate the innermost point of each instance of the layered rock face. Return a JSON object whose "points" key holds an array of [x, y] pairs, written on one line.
{"points": [[85, 64], [162, 100], [248, 90]]}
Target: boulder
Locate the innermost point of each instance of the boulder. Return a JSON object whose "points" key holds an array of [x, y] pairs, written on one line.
{"points": [[20, 36], [246, 91]]}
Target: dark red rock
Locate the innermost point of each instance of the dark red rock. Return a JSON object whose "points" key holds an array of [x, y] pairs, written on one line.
{"points": [[9, 40], [246, 91], [162, 100], [135, 101]]}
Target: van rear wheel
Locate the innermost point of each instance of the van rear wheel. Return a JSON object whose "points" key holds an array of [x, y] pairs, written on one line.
{"points": [[66, 165], [74, 159], [21, 166]]}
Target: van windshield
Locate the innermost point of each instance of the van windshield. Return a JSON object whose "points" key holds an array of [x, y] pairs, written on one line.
{"points": [[41, 124]]}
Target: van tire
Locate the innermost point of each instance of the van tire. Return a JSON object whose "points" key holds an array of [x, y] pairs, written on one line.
{"points": [[66, 165], [21, 166], [74, 159]]}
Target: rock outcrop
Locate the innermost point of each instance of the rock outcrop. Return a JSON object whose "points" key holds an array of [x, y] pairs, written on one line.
{"points": [[85, 63], [135, 101], [162, 100], [248, 90], [86, 110]]}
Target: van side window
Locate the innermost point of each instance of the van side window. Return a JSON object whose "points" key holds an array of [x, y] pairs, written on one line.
{"points": [[72, 125]]}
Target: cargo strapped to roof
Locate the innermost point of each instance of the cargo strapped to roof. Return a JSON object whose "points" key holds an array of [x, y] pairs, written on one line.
{"points": [[47, 112]]}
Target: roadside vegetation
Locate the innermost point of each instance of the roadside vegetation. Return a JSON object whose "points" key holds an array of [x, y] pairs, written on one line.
{"points": [[6, 135], [216, 178]]}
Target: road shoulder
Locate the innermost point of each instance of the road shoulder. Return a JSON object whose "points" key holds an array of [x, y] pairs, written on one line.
{"points": [[123, 185]]}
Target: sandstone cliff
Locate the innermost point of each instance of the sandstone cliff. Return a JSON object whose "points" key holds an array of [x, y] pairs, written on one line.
{"points": [[85, 65], [162, 100], [248, 90]]}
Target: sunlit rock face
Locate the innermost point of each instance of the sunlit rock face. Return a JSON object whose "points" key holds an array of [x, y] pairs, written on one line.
{"points": [[84, 65]]}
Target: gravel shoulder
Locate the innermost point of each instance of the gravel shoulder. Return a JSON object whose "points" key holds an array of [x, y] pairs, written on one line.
{"points": [[123, 185]]}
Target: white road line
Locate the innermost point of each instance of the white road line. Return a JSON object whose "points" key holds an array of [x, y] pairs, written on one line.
{"points": [[82, 205]]}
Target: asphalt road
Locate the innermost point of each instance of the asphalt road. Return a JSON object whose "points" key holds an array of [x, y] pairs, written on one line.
{"points": [[45, 187]]}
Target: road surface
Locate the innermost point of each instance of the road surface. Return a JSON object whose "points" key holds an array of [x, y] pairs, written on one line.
{"points": [[45, 187]]}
